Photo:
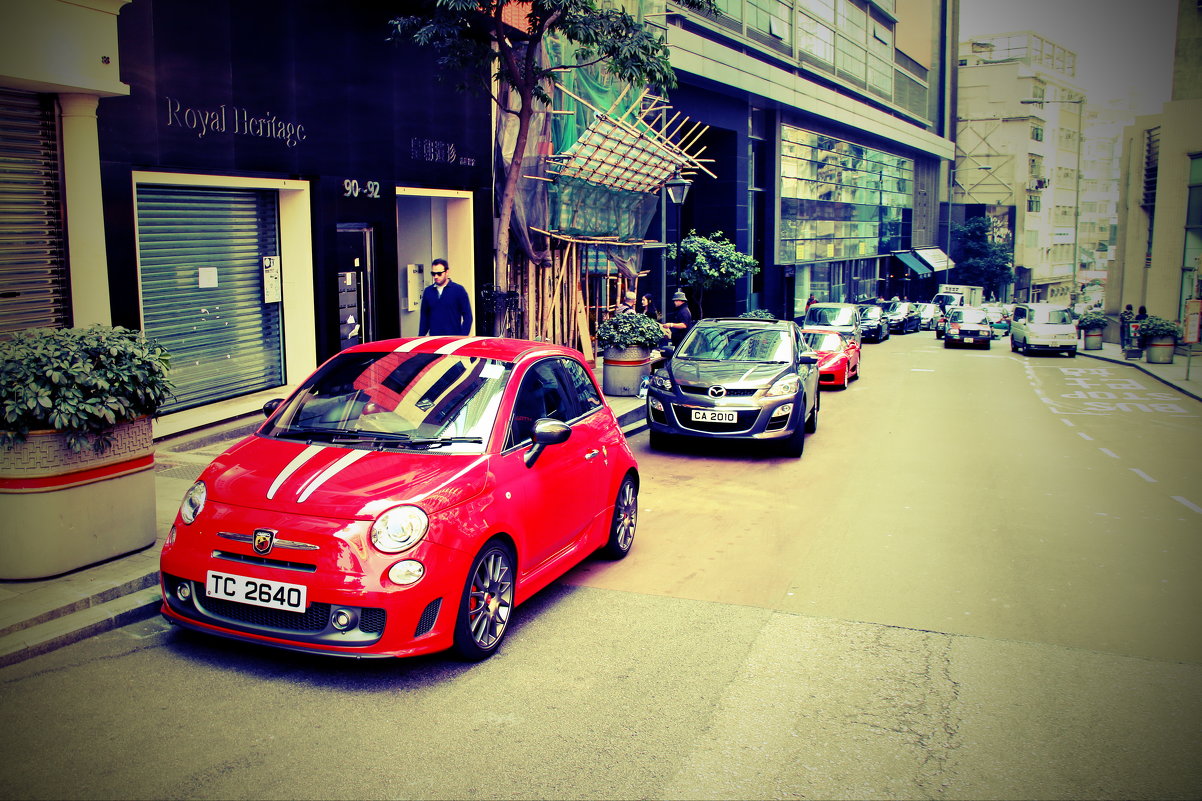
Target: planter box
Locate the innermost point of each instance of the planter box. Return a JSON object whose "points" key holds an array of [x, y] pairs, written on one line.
{"points": [[1093, 339], [622, 370], [1159, 350], [61, 510]]}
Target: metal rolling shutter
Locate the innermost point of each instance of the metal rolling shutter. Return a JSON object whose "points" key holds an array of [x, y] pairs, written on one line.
{"points": [[33, 271], [201, 258]]}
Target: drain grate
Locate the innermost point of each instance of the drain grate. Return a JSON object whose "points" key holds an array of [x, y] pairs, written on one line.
{"points": [[184, 472]]}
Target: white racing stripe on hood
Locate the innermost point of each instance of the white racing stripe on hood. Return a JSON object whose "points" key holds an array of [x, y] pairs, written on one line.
{"points": [[302, 457], [330, 472]]}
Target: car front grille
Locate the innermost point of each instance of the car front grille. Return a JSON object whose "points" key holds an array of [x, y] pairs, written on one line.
{"points": [[730, 392], [312, 625]]}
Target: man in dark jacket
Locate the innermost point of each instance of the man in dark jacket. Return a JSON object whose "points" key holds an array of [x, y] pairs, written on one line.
{"points": [[446, 308], [680, 319]]}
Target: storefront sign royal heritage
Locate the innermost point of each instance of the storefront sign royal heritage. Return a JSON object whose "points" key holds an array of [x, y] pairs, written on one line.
{"points": [[227, 119]]}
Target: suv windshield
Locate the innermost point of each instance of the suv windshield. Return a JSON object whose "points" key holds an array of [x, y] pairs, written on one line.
{"points": [[397, 400], [1059, 316], [824, 341], [728, 343]]}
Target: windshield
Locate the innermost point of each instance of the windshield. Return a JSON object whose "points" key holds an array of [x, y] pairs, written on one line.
{"points": [[967, 316], [830, 315], [723, 343], [870, 313], [823, 341], [1059, 316], [397, 400]]}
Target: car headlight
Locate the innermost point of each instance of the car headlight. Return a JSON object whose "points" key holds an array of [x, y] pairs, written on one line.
{"points": [[194, 502], [787, 385], [661, 381], [399, 528]]}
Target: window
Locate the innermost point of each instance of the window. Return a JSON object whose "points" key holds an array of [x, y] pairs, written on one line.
{"points": [[1033, 203], [541, 395], [1037, 133]]}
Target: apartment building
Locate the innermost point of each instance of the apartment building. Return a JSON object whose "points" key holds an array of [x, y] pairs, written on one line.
{"points": [[1020, 145]]}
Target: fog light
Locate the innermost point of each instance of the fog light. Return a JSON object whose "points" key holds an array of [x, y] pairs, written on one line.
{"points": [[783, 409], [409, 571], [170, 538], [183, 591], [655, 404], [343, 619]]}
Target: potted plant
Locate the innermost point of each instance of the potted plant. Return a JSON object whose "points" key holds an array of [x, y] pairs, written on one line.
{"points": [[1159, 337], [1092, 323], [705, 262], [76, 446], [625, 341]]}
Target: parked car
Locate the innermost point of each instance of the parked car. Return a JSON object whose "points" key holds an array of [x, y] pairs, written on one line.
{"points": [[403, 500], [838, 356], [999, 321], [903, 316], [873, 325], [940, 325], [928, 313], [967, 325], [1043, 326], [737, 378], [841, 317]]}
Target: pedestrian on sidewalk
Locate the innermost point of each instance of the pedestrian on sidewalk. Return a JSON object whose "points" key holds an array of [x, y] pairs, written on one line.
{"points": [[1126, 316], [445, 307]]}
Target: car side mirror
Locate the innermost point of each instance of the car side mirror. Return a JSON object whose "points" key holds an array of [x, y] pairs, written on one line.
{"points": [[547, 431], [667, 351], [807, 359], [271, 405]]}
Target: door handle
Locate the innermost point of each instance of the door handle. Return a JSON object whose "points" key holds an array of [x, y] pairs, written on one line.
{"points": [[592, 454]]}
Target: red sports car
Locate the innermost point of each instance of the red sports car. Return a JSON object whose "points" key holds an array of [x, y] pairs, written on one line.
{"points": [[404, 500], [838, 356]]}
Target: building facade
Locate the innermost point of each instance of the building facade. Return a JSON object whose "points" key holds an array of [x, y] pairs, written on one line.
{"points": [[1020, 143], [830, 123], [1160, 231], [265, 183]]}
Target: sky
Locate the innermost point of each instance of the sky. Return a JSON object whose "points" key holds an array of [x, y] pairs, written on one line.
{"points": [[1122, 46]]}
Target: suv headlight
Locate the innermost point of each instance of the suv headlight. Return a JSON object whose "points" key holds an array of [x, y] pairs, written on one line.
{"points": [[788, 385], [400, 528], [194, 502], [661, 381]]}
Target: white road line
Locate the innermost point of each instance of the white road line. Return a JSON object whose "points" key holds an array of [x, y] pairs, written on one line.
{"points": [[1143, 475], [921, 370], [1067, 422], [1109, 453], [1187, 504], [1083, 435]]}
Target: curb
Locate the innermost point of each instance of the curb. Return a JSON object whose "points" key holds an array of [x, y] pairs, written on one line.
{"points": [[58, 632]]}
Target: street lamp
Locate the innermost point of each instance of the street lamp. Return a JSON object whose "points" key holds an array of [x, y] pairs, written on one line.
{"points": [[678, 189], [1080, 103]]}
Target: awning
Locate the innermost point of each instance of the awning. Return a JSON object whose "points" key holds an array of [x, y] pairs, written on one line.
{"points": [[916, 266], [935, 257]]}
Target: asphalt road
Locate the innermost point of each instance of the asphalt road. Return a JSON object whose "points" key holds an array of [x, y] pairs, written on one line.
{"points": [[980, 581]]}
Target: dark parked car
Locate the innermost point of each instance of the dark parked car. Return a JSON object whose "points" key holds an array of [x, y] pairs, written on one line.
{"points": [[873, 325], [737, 378], [903, 316]]}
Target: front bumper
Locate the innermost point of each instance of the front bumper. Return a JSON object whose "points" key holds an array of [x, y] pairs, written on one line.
{"points": [[672, 413]]}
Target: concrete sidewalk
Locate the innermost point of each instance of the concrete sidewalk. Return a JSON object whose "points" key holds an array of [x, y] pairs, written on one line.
{"points": [[38, 616]]}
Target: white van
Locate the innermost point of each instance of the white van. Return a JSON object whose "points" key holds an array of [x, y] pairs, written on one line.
{"points": [[1043, 326]]}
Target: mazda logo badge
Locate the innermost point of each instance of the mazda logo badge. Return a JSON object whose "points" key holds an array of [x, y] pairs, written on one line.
{"points": [[263, 540], [717, 392]]}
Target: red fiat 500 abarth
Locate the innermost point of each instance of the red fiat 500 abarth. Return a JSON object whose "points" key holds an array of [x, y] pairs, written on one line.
{"points": [[404, 500]]}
